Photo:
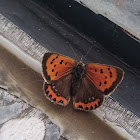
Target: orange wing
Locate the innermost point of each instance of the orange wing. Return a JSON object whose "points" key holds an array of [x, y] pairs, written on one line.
{"points": [[55, 66], [105, 78]]}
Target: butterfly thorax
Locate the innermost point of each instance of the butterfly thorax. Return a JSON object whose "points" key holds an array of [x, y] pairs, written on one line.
{"points": [[77, 75]]}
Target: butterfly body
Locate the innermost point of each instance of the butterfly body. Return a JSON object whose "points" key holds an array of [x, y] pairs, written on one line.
{"points": [[86, 85], [78, 73]]}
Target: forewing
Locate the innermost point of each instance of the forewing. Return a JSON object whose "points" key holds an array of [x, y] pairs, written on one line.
{"points": [[105, 78], [59, 91], [88, 96], [55, 66]]}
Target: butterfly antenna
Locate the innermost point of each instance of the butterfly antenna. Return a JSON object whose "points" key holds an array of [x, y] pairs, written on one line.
{"points": [[82, 58], [86, 53], [76, 56]]}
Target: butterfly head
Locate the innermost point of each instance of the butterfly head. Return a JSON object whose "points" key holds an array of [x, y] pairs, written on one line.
{"points": [[80, 66], [80, 63]]}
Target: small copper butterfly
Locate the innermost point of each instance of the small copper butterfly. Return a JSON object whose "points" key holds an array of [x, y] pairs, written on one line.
{"points": [[86, 84]]}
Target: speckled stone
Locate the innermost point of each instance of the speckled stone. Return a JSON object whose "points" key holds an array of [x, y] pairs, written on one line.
{"points": [[20, 121]]}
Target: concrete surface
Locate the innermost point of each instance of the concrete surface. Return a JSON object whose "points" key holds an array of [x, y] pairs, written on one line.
{"points": [[111, 121], [20, 121]]}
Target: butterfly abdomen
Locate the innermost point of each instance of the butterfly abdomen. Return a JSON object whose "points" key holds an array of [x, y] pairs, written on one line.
{"points": [[77, 75]]}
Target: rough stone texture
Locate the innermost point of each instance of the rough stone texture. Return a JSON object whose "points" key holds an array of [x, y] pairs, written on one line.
{"points": [[52, 132], [20, 121]]}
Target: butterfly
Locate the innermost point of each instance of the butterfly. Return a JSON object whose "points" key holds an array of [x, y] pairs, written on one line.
{"points": [[86, 84]]}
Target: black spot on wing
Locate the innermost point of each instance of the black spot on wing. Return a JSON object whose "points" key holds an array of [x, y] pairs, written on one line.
{"points": [[99, 103], [110, 74], [86, 108], [101, 70], [50, 96], [80, 106], [96, 106], [56, 73], [61, 61], [47, 92], [53, 59], [58, 95], [60, 101], [91, 107]]}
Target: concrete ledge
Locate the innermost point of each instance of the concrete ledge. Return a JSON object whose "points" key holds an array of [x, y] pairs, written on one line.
{"points": [[112, 113], [18, 120]]}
